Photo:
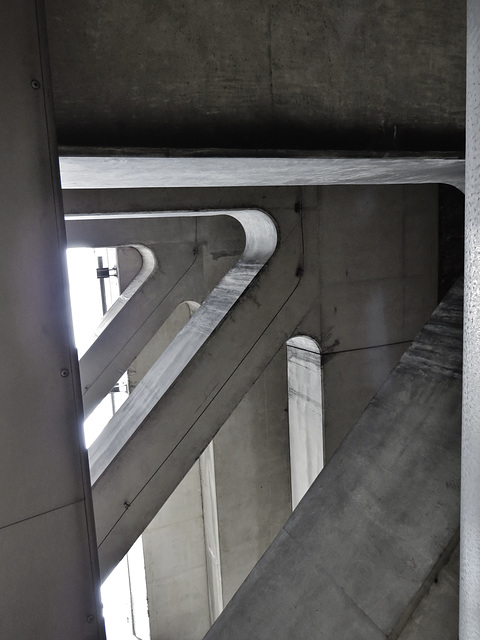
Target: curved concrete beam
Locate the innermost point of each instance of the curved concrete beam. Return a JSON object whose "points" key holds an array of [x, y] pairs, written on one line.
{"points": [[126, 457], [160, 286]]}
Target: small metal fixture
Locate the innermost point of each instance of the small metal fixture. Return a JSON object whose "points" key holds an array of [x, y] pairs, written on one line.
{"points": [[102, 274]]}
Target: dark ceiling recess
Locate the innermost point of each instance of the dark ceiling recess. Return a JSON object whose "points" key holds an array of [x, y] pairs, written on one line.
{"points": [[374, 75]]}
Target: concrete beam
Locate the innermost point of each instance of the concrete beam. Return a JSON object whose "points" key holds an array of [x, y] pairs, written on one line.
{"points": [[143, 172], [366, 542], [164, 281], [133, 423]]}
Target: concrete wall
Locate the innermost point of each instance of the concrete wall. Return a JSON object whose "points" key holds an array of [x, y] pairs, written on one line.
{"points": [[378, 285], [47, 537], [437, 615]]}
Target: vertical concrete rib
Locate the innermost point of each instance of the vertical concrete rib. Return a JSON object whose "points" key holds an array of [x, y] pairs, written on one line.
{"points": [[470, 505]]}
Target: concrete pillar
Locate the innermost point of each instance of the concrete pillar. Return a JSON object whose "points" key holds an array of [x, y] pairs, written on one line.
{"points": [[47, 542], [305, 414], [470, 504]]}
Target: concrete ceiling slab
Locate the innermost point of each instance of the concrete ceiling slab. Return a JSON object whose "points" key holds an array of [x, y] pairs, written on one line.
{"points": [[309, 74]]}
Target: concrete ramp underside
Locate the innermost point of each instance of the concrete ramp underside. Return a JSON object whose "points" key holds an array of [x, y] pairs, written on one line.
{"points": [[369, 539]]}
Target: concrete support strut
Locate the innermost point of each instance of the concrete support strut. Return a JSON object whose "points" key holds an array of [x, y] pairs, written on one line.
{"points": [[141, 309], [470, 505], [119, 520], [367, 541]]}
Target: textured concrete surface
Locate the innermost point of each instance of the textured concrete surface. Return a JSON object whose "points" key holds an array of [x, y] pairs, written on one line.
{"points": [[259, 73], [170, 274], [470, 525], [361, 549], [436, 617]]}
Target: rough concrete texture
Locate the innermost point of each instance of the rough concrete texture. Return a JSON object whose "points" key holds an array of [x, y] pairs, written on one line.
{"points": [[470, 524], [223, 73], [367, 540], [250, 476]]}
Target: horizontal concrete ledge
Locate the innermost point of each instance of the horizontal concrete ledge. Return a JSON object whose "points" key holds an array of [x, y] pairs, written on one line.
{"points": [[114, 172]]}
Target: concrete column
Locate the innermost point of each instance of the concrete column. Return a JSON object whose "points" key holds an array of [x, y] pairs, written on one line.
{"points": [[470, 504], [47, 542], [305, 414]]}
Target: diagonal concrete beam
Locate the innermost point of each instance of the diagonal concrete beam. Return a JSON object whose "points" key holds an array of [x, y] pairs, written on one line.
{"points": [[161, 285], [152, 442], [363, 546]]}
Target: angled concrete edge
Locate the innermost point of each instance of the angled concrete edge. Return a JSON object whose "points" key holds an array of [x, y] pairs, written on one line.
{"points": [[357, 552]]}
